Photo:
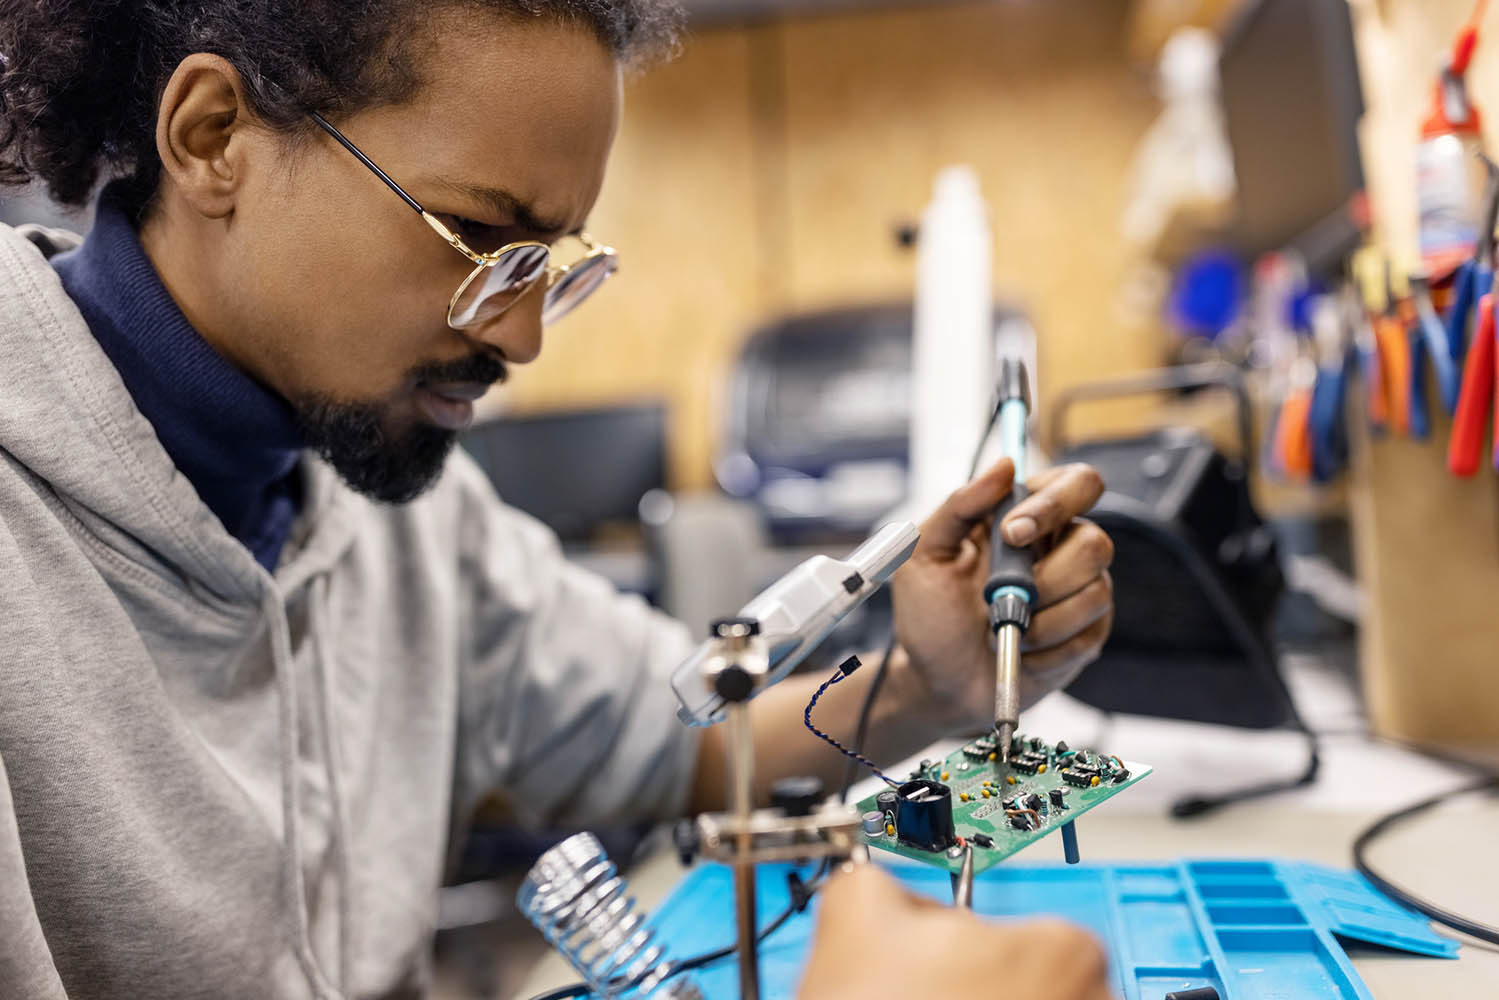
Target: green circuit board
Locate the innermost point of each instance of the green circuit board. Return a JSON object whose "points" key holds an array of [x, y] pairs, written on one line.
{"points": [[992, 800]]}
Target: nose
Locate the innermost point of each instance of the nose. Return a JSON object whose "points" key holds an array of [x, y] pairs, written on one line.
{"points": [[517, 330]]}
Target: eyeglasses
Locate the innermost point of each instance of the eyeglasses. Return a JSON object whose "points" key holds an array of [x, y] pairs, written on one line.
{"points": [[502, 276]]}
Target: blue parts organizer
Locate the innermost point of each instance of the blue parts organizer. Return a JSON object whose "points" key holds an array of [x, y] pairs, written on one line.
{"points": [[1254, 930]]}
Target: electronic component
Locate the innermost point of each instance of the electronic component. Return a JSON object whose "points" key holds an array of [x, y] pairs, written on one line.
{"points": [[982, 839], [923, 816], [885, 802], [1079, 779], [874, 822], [1028, 763], [1058, 798]]}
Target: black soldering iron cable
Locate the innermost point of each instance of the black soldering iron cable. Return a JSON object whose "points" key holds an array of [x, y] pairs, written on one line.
{"points": [[1456, 921]]}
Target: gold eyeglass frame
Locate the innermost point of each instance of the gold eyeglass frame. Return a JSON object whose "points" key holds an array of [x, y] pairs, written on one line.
{"points": [[483, 261]]}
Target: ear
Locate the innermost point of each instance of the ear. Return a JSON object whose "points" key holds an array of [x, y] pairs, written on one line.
{"points": [[201, 132]]}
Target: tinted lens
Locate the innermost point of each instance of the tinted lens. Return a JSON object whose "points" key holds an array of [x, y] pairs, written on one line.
{"points": [[496, 288], [580, 281]]}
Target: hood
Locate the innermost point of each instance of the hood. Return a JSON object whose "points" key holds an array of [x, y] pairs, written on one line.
{"points": [[68, 418]]}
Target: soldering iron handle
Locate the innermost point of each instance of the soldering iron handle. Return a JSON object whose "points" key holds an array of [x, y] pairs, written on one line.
{"points": [[1009, 566]]}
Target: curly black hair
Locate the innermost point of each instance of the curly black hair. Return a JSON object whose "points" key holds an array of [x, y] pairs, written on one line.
{"points": [[80, 79]]}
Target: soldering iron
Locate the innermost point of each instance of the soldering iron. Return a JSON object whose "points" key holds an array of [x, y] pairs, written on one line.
{"points": [[1010, 592]]}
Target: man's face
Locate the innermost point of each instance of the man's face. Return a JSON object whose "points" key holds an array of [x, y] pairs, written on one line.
{"points": [[335, 293]]}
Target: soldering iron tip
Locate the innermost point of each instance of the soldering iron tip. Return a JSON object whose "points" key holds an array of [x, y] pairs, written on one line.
{"points": [[1004, 732]]}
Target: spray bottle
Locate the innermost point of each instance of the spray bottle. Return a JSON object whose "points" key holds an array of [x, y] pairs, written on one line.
{"points": [[1450, 176]]}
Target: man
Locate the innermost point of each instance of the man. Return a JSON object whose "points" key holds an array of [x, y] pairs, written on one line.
{"points": [[265, 641]]}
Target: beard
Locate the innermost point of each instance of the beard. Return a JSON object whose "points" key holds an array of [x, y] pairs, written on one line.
{"points": [[373, 455]]}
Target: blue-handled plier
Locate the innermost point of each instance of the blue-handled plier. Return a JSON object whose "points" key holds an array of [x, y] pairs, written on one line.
{"points": [[1428, 339]]}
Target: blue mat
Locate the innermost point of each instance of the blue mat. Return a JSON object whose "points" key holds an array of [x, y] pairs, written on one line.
{"points": [[1255, 930]]}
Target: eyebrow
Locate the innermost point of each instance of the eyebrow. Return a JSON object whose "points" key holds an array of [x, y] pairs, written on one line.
{"points": [[504, 203]]}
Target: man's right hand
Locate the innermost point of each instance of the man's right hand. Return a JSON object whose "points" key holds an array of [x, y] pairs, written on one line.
{"points": [[875, 939]]}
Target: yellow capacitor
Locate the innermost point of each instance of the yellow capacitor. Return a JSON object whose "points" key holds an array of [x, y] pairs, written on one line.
{"points": [[889, 829], [993, 756], [944, 775], [1094, 782], [1009, 779], [986, 793], [1041, 769]]}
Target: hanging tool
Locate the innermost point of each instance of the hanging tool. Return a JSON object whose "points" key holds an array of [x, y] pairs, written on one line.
{"points": [[1364, 312], [1010, 592], [1291, 441], [1394, 359], [1428, 340], [1325, 418], [1477, 397]]}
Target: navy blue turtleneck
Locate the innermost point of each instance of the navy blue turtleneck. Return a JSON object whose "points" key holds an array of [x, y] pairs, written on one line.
{"points": [[235, 440]]}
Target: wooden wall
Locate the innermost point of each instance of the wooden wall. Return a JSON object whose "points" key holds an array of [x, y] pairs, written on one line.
{"points": [[764, 171], [1427, 543]]}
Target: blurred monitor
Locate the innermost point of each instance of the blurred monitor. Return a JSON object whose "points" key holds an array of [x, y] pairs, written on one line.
{"points": [[1292, 103], [577, 471]]}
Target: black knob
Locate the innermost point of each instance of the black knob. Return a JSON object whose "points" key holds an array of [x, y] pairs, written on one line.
{"points": [[684, 836], [734, 683], [797, 796]]}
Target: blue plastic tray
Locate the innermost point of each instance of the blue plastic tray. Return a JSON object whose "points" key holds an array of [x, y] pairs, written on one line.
{"points": [[1255, 930]]}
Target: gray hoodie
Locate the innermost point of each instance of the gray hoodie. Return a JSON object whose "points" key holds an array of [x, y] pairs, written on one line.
{"points": [[215, 782]]}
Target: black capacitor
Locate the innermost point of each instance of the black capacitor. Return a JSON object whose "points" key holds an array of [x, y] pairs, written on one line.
{"points": [[1020, 822], [982, 839], [885, 801], [926, 821], [1057, 795], [1036, 743], [1062, 746]]}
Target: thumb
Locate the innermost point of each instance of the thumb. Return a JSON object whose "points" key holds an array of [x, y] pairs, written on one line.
{"points": [[942, 534]]}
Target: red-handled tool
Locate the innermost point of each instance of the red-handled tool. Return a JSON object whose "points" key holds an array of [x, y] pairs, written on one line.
{"points": [[1477, 396]]}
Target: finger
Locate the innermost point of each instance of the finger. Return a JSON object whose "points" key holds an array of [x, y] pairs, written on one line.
{"points": [[945, 530], [1065, 661], [1072, 615], [1085, 551], [1057, 496]]}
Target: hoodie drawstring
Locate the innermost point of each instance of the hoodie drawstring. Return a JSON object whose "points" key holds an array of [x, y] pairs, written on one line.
{"points": [[320, 624], [293, 884]]}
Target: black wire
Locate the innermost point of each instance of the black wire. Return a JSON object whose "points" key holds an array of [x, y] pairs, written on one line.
{"points": [[978, 451], [861, 732], [1201, 805], [853, 755], [1457, 922]]}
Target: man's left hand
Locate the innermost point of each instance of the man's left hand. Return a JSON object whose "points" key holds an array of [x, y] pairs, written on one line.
{"points": [[940, 618]]}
